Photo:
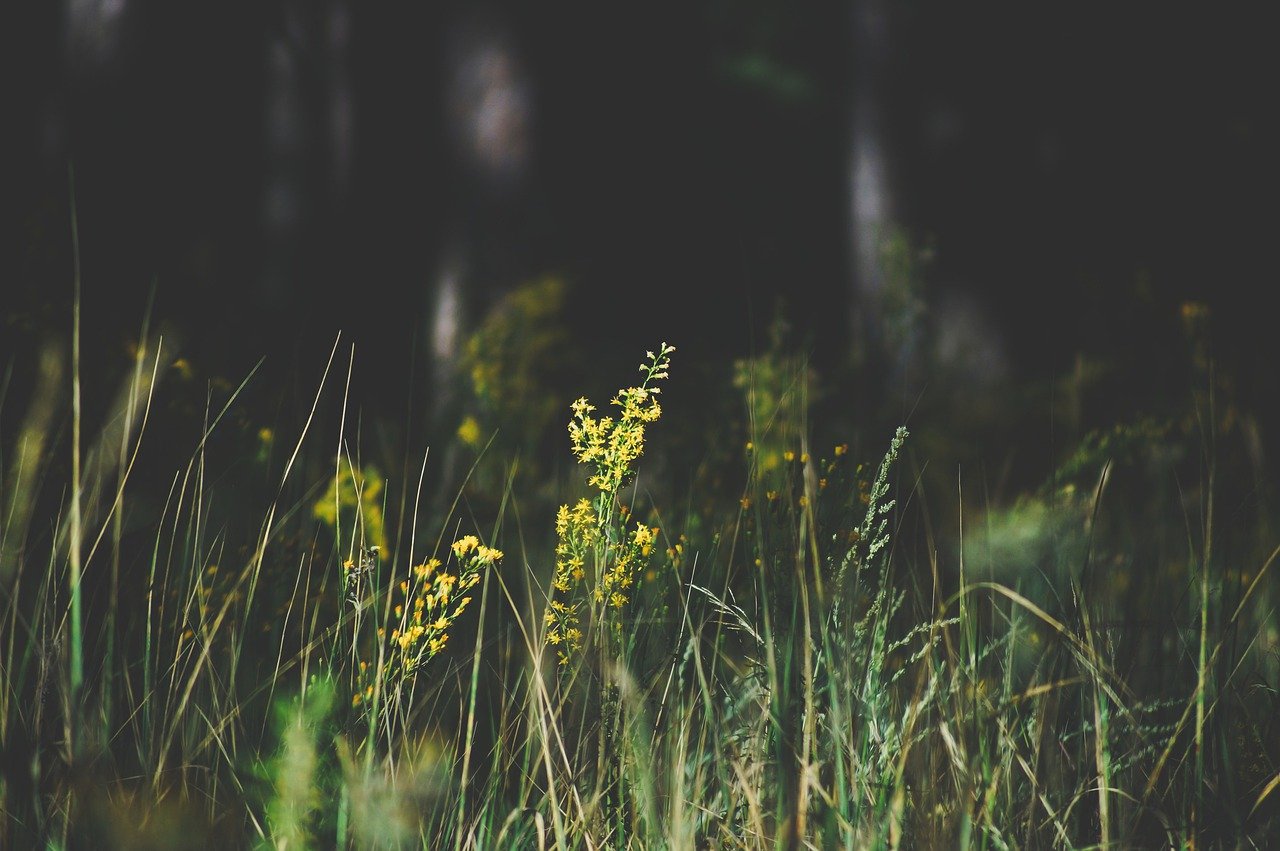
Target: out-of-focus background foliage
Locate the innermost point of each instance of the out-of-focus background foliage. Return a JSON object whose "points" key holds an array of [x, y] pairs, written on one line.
{"points": [[280, 170]]}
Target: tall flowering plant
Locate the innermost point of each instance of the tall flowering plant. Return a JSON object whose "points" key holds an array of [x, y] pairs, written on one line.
{"points": [[599, 549]]}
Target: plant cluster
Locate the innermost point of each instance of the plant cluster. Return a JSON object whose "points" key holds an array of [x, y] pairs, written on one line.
{"points": [[598, 551], [431, 599]]}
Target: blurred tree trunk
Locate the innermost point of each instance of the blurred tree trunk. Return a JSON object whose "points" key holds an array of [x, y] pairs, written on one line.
{"points": [[488, 104], [871, 191]]}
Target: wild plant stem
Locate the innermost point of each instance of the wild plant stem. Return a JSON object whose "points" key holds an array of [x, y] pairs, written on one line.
{"points": [[77, 650]]}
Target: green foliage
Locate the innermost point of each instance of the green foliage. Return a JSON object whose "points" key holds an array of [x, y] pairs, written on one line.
{"points": [[295, 771]]}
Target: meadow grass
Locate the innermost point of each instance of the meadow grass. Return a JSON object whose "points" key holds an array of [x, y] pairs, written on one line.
{"points": [[791, 654]]}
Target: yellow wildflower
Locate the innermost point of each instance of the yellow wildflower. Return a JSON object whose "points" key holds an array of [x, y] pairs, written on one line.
{"points": [[464, 545], [469, 432], [596, 535]]}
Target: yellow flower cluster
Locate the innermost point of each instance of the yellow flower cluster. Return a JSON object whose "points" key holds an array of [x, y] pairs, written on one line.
{"points": [[433, 599], [610, 445], [471, 544], [578, 530], [625, 561], [592, 538], [354, 500], [563, 628], [469, 432], [613, 446]]}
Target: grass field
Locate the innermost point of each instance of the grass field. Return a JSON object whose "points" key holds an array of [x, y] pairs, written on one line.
{"points": [[773, 631]]}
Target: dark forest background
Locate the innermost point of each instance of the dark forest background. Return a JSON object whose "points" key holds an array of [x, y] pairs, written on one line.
{"points": [[277, 171]]}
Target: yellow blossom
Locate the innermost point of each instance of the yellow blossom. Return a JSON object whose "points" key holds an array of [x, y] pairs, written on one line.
{"points": [[464, 545], [469, 432]]}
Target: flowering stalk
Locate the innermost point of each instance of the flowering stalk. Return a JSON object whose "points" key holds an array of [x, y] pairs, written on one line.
{"points": [[597, 554], [432, 599]]}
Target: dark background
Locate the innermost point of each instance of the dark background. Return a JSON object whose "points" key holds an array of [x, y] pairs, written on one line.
{"points": [[1077, 173]]}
